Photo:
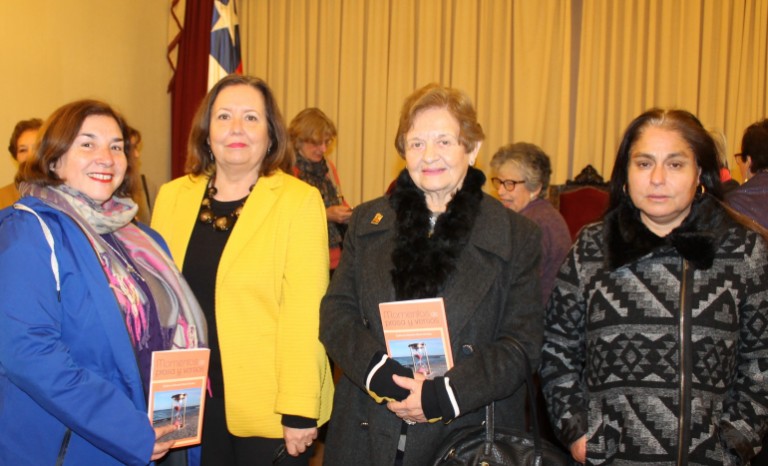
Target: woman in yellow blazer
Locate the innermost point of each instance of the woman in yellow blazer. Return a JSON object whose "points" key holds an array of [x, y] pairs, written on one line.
{"points": [[252, 242]]}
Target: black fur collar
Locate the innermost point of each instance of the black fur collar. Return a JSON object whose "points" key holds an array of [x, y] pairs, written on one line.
{"points": [[696, 239], [423, 263]]}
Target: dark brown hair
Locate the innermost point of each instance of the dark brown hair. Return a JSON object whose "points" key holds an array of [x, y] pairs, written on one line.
{"points": [[18, 130], [689, 128], [199, 157], [754, 144], [56, 137], [437, 96]]}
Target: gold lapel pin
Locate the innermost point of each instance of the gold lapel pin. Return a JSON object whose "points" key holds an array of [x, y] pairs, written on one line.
{"points": [[376, 219]]}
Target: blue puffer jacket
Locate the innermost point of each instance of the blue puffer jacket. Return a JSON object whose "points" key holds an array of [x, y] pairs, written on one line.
{"points": [[70, 389]]}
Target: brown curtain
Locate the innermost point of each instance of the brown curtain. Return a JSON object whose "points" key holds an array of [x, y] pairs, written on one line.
{"points": [[568, 75], [706, 56], [358, 59], [189, 84]]}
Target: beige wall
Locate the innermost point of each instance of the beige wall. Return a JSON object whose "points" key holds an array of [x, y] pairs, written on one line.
{"points": [[56, 51]]}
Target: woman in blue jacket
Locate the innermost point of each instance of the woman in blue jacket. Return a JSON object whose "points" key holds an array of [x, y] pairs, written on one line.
{"points": [[87, 297]]}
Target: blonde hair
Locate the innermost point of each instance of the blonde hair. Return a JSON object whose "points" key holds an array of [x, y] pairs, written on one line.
{"points": [[311, 124]]}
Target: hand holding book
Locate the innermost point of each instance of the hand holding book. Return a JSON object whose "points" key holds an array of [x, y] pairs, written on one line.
{"points": [[409, 409], [380, 383], [417, 339], [177, 396], [162, 447]]}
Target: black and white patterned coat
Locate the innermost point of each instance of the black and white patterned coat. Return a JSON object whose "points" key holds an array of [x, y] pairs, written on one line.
{"points": [[652, 343]]}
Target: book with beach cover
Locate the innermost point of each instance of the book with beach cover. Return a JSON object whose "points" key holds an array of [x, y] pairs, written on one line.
{"points": [[416, 333], [177, 393]]}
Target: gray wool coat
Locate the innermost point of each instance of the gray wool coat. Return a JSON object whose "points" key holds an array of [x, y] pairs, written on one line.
{"points": [[493, 294]]}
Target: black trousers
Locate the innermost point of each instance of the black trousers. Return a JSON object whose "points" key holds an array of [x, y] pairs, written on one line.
{"points": [[221, 448]]}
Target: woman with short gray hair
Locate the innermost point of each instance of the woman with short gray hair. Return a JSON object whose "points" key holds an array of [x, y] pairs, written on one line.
{"points": [[521, 174]]}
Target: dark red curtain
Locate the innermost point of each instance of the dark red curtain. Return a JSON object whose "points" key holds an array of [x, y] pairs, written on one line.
{"points": [[190, 82]]}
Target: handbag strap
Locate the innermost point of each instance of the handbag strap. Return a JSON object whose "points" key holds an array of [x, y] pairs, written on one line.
{"points": [[531, 402], [489, 424]]}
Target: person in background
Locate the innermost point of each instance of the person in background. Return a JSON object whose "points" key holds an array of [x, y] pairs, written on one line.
{"points": [[728, 183], [21, 147], [87, 297], [652, 349], [139, 192], [521, 178], [312, 135], [252, 241], [751, 198], [436, 235]]}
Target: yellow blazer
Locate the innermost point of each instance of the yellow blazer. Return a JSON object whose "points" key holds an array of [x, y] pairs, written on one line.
{"points": [[271, 278]]}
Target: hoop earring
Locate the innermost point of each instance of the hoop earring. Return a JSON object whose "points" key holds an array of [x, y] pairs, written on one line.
{"points": [[701, 189]]}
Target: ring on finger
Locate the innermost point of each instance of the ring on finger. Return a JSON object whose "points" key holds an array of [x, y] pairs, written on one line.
{"points": [[409, 422]]}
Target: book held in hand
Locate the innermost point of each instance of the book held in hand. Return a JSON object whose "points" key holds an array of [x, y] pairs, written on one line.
{"points": [[416, 333], [177, 393]]}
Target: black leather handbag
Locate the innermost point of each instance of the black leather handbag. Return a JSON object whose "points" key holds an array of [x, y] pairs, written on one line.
{"points": [[491, 445]]}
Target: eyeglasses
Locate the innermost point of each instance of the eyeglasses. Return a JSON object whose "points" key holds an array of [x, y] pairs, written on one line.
{"points": [[509, 185]]}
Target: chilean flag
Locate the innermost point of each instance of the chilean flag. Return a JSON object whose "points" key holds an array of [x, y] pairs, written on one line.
{"points": [[225, 42]]}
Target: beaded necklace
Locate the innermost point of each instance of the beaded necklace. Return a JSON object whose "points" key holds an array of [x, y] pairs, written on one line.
{"points": [[224, 222]]}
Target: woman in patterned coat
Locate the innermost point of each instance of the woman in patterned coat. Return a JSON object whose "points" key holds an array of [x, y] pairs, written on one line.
{"points": [[655, 347]]}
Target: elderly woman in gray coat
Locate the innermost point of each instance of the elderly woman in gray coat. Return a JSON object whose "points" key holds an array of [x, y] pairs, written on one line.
{"points": [[436, 235]]}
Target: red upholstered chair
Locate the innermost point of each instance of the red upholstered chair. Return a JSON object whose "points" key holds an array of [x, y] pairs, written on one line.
{"points": [[581, 201]]}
